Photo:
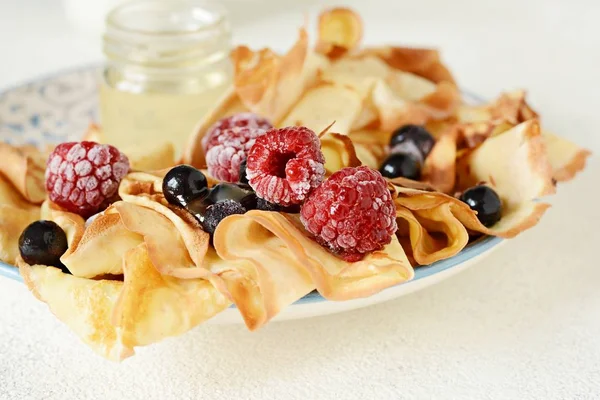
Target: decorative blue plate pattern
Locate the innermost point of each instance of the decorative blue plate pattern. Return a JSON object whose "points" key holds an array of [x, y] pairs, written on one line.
{"points": [[60, 107]]}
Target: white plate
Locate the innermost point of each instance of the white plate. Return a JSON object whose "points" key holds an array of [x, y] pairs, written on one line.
{"points": [[59, 108]]}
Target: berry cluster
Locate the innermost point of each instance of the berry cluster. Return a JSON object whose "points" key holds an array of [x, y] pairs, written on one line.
{"points": [[409, 147], [187, 187], [351, 213]]}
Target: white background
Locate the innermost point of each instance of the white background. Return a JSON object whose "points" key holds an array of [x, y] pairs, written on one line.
{"points": [[523, 324]]}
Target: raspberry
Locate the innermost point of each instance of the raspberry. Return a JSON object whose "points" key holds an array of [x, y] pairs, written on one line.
{"points": [[352, 213], [225, 157], [285, 165], [241, 120], [81, 176]]}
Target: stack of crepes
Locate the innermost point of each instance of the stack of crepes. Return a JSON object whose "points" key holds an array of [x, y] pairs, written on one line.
{"points": [[144, 270]]}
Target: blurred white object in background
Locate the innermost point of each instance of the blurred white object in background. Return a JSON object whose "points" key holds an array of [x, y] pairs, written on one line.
{"points": [[88, 16]]}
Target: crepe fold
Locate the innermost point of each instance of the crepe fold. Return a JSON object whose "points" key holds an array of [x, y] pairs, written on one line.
{"points": [[24, 167], [16, 211], [566, 158], [282, 264], [112, 316], [365, 92], [514, 163], [340, 31], [13, 220]]}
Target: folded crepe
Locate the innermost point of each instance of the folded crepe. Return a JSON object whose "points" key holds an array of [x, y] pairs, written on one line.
{"points": [[438, 226], [339, 152], [152, 306], [513, 163], [283, 264], [340, 30], [16, 213], [389, 98], [175, 241], [477, 123], [145, 190], [565, 157], [24, 167], [116, 298], [422, 62], [84, 305], [101, 248], [371, 146], [112, 316], [13, 221], [439, 169]]}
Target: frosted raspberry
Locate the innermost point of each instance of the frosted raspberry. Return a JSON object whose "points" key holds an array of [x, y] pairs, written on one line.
{"points": [[285, 165], [82, 176], [225, 157], [352, 213], [241, 120]]}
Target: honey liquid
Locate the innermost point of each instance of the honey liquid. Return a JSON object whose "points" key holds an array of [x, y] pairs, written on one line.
{"points": [[146, 119]]}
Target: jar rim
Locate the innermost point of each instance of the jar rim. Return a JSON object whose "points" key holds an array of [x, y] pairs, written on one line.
{"points": [[116, 19]]}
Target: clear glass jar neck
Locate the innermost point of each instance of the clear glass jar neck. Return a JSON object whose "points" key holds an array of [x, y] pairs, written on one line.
{"points": [[167, 46]]}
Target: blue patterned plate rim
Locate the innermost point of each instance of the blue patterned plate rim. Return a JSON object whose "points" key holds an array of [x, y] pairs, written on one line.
{"points": [[474, 249]]}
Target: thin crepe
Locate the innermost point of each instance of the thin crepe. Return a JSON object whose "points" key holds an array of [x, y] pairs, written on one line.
{"points": [[390, 98], [422, 62], [566, 158], [112, 317], [339, 30], [438, 224], [287, 264], [477, 123], [24, 168], [145, 190]]}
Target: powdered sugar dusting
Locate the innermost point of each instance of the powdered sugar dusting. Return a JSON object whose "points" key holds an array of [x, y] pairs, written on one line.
{"points": [[69, 172], [228, 151], [216, 133], [108, 188], [99, 155], [119, 170], [83, 168], [104, 172], [76, 153], [54, 164]]}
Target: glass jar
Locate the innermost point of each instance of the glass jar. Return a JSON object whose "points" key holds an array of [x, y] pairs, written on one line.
{"points": [[167, 63]]}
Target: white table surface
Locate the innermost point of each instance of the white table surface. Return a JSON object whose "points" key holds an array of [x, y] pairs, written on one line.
{"points": [[523, 324]]}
